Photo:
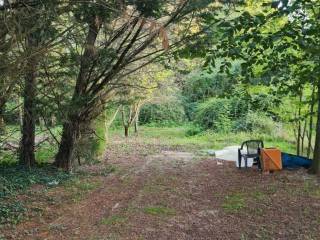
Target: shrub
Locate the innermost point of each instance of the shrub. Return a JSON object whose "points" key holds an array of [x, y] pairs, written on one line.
{"points": [[193, 130], [256, 121], [214, 114], [162, 114]]}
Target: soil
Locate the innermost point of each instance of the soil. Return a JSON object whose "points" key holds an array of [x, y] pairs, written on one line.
{"points": [[164, 192]]}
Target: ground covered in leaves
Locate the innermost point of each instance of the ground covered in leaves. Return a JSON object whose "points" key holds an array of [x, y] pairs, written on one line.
{"points": [[150, 190]]}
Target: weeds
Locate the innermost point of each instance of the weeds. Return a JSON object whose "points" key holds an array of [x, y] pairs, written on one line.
{"points": [[78, 187], [15, 180], [234, 202], [114, 220], [159, 211]]}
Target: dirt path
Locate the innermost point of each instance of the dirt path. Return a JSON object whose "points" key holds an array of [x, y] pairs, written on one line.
{"points": [[158, 192]]}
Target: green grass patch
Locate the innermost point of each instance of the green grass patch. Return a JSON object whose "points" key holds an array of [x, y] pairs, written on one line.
{"points": [[159, 211], [234, 202], [79, 188], [258, 196], [181, 136], [114, 220]]}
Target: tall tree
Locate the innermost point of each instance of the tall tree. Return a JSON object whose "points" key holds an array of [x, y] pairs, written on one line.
{"points": [[36, 19], [130, 39]]}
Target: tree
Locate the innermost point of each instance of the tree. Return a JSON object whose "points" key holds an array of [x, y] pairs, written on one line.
{"points": [[36, 28], [281, 45], [132, 37]]}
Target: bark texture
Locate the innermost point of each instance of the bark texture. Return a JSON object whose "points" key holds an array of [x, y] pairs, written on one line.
{"points": [[70, 134], [315, 169], [27, 146]]}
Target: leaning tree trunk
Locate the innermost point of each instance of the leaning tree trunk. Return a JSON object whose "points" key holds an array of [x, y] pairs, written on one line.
{"points": [[70, 133], [315, 168], [27, 146]]}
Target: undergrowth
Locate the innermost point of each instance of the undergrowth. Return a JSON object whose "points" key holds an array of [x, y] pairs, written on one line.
{"points": [[15, 180]]}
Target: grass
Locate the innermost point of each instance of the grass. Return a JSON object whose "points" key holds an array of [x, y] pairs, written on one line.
{"points": [[159, 211], [114, 220], [178, 136], [234, 202], [14, 180], [258, 195], [79, 187]]}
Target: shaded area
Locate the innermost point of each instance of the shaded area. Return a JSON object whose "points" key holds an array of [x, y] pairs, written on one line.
{"points": [[159, 191]]}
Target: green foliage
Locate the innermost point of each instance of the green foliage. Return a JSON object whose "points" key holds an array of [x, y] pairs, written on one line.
{"points": [[15, 179], [214, 114], [193, 130], [200, 85], [149, 8], [46, 153], [256, 121], [177, 137], [11, 212], [164, 114]]}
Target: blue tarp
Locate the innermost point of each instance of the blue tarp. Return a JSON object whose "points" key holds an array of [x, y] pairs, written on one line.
{"points": [[293, 161]]}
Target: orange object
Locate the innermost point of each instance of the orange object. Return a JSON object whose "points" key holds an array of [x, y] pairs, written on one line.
{"points": [[271, 159]]}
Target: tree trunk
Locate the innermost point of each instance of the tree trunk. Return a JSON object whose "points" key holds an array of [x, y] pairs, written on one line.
{"points": [[315, 168], [20, 112], [126, 131], [64, 156], [311, 121], [2, 123], [136, 126], [70, 132], [299, 125], [136, 120], [303, 136], [27, 156]]}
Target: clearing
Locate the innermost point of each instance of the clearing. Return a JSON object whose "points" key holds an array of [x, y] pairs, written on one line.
{"points": [[151, 187]]}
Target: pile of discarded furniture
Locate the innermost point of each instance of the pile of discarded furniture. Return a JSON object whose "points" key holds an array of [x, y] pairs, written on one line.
{"points": [[268, 159]]}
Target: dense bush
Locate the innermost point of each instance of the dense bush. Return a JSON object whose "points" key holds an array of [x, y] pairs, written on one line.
{"points": [[193, 130], [257, 122], [234, 114], [162, 113], [214, 114]]}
